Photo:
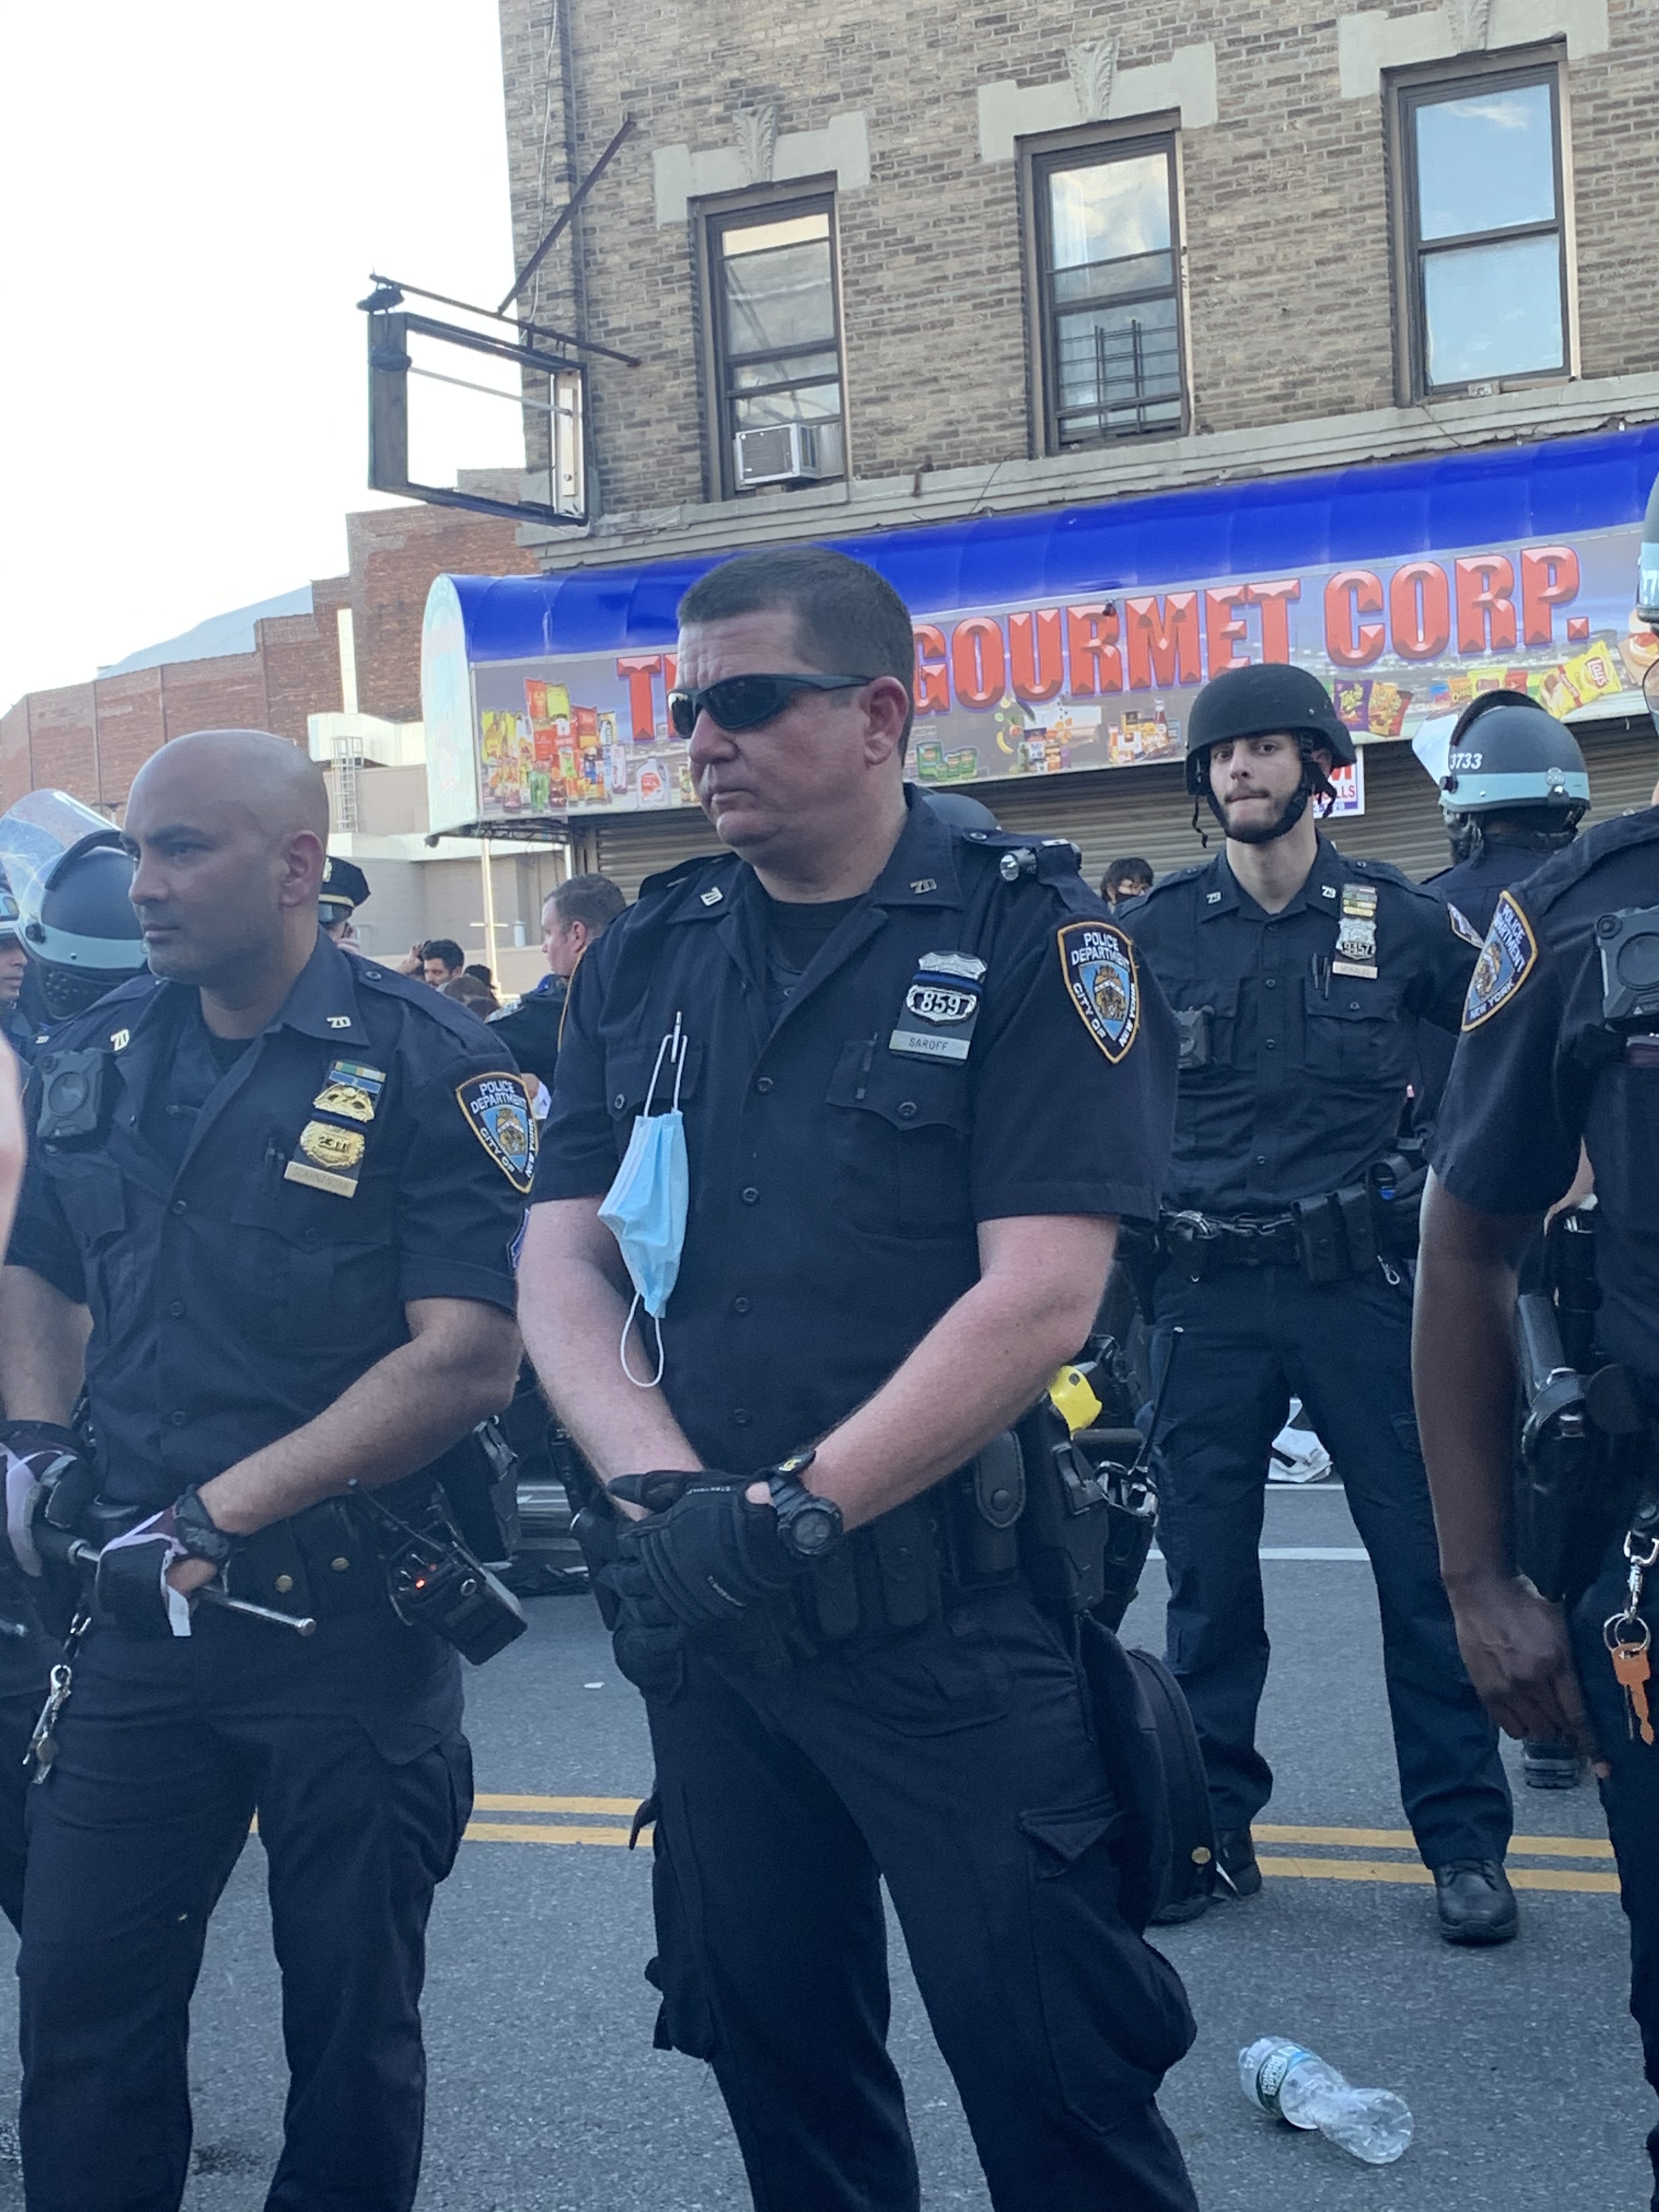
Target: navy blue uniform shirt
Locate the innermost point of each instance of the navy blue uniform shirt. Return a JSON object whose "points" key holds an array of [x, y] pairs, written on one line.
{"points": [[1293, 1071], [1469, 890], [529, 1027], [246, 1240], [843, 1158], [1538, 1070]]}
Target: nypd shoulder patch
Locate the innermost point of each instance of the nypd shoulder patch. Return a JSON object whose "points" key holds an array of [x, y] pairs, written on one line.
{"points": [[498, 1112], [1507, 958], [1099, 964]]}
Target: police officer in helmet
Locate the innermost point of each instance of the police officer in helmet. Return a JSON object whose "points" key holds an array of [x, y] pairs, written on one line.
{"points": [[1559, 1050], [71, 878], [268, 1218], [1284, 1251], [894, 1082], [1515, 791]]}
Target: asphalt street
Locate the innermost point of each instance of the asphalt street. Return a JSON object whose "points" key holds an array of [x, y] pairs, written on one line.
{"points": [[1520, 2065]]}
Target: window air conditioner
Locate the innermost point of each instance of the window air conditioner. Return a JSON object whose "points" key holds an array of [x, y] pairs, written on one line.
{"points": [[783, 452]]}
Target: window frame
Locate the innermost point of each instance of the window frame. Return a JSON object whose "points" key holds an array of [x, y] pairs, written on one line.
{"points": [[1408, 90], [1085, 147], [711, 218]]}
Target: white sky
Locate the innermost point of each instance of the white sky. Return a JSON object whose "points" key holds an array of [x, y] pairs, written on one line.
{"points": [[194, 193]]}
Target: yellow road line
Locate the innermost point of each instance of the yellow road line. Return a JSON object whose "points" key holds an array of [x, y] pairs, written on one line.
{"points": [[1582, 1883], [625, 1807], [1552, 1847], [511, 1832]]}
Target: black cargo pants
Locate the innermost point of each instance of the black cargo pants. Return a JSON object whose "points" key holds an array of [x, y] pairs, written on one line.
{"points": [[956, 1763]]}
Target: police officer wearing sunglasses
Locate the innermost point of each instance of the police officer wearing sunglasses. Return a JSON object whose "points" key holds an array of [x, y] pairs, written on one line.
{"points": [[843, 1123]]}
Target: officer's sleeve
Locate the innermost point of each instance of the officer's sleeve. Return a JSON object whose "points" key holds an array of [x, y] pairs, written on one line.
{"points": [[466, 1181], [1507, 1133], [1074, 1076], [1445, 962], [579, 1147], [41, 1238]]}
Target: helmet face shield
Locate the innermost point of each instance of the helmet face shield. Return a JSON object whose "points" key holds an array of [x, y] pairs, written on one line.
{"points": [[71, 877]]}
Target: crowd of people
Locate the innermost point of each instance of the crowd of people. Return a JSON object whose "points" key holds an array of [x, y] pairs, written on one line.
{"points": [[797, 1182]]}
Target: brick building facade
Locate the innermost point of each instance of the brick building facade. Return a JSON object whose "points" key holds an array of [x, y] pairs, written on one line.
{"points": [[90, 739]]}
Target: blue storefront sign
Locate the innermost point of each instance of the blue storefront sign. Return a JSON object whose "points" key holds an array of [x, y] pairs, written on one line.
{"points": [[1075, 638]]}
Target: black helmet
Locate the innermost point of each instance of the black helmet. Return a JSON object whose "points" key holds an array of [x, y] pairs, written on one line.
{"points": [[1257, 700], [72, 878], [960, 811], [1266, 698]]}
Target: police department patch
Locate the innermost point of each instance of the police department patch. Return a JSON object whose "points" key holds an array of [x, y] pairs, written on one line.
{"points": [[1506, 961], [497, 1108], [1098, 964]]}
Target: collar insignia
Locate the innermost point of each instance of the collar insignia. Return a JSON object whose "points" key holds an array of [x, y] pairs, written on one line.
{"points": [[339, 1021], [713, 897], [1462, 926], [120, 1040]]}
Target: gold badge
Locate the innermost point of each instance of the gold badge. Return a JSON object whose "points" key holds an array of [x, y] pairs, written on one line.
{"points": [[347, 1099], [329, 1147], [332, 1157]]}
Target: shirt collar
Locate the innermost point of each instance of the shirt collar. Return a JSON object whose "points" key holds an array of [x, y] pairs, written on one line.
{"points": [[322, 1002], [1321, 890], [920, 870]]}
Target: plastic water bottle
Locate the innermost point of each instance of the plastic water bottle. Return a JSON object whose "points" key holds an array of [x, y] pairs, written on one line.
{"points": [[1280, 2078]]}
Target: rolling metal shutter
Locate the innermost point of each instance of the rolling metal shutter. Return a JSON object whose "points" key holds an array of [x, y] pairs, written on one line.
{"points": [[1147, 810]]}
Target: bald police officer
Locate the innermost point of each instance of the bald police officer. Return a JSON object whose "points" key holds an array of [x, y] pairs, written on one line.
{"points": [[280, 1194]]}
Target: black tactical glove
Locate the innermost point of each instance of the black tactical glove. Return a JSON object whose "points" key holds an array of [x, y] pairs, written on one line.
{"points": [[712, 1560], [49, 1485], [132, 1586]]}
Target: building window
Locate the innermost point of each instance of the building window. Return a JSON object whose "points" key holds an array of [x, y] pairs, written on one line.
{"points": [[774, 319], [1107, 243], [1483, 226]]}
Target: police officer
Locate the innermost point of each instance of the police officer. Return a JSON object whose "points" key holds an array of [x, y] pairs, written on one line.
{"points": [[282, 1186], [917, 1075], [344, 888], [78, 928], [1558, 1050], [1515, 791], [575, 915], [1295, 974]]}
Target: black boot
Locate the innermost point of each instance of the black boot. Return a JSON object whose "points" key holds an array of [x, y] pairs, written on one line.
{"points": [[1236, 1872], [1477, 1904]]}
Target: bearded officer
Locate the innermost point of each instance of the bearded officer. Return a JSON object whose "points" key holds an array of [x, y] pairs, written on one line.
{"points": [[905, 1079], [281, 1192], [1297, 974]]}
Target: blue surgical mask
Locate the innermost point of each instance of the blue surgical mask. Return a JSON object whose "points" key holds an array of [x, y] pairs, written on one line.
{"points": [[645, 1208]]}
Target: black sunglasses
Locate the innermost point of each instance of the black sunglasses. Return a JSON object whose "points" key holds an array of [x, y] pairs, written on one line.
{"points": [[743, 702]]}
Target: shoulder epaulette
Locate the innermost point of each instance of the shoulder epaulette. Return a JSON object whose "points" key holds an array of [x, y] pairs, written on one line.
{"points": [[684, 872], [1043, 859], [1176, 876], [1574, 862], [449, 1013]]}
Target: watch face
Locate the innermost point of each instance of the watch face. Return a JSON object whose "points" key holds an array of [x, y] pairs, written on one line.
{"points": [[812, 1528]]}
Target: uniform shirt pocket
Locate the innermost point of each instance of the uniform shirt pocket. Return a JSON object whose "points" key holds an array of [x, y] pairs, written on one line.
{"points": [[1355, 1033], [898, 1144], [629, 1070], [93, 1196], [317, 1270]]}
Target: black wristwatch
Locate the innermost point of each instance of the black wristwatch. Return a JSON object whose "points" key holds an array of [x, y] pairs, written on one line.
{"points": [[809, 1525], [198, 1533]]}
